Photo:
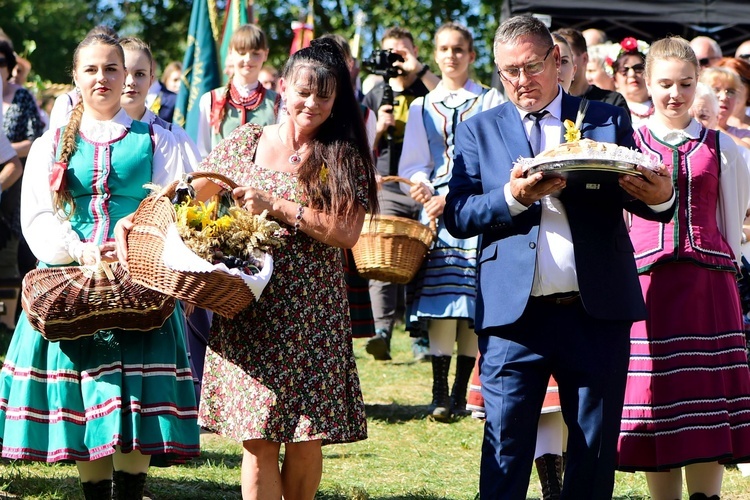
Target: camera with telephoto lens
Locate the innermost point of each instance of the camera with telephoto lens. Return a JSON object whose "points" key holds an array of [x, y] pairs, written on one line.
{"points": [[381, 62]]}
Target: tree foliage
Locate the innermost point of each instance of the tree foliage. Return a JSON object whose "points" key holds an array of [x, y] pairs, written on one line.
{"points": [[56, 26]]}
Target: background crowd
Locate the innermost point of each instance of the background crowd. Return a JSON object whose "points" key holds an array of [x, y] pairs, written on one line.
{"points": [[310, 144]]}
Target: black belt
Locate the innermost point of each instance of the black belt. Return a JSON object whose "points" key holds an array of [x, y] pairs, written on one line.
{"points": [[559, 299]]}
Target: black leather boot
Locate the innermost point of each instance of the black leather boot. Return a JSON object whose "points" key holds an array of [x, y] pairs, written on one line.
{"points": [[101, 490], [464, 367], [549, 468], [703, 496], [440, 407], [128, 486]]}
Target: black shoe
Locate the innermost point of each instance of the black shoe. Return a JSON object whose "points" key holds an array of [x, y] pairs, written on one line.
{"points": [[378, 346]]}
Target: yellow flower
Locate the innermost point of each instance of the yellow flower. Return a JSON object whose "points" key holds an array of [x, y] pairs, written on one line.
{"points": [[206, 213], [323, 173], [193, 216], [223, 223], [572, 134]]}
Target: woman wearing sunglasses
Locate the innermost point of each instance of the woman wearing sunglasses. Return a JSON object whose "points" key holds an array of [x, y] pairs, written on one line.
{"points": [[627, 63]]}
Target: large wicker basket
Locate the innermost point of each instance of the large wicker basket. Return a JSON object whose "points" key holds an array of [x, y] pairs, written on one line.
{"points": [[66, 303], [392, 248], [218, 291]]}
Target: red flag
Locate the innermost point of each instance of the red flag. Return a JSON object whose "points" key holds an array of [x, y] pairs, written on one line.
{"points": [[303, 32]]}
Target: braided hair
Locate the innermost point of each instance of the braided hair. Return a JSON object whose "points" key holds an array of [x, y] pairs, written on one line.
{"points": [[62, 200], [339, 152]]}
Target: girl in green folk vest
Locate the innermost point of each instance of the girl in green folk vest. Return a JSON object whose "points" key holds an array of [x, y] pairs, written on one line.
{"points": [[115, 402], [243, 100]]}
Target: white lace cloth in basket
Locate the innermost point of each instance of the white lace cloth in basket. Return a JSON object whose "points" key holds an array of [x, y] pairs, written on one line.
{"points": [[179, 257]]}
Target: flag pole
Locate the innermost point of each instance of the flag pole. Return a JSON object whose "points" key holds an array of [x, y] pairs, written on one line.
{"points": [[250, 13]]}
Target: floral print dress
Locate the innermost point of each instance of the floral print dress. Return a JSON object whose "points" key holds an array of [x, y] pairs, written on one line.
{"points": [[283, 370]]}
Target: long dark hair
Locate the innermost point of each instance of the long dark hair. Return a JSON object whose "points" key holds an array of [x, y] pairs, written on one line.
{"points": [[340, 151]]}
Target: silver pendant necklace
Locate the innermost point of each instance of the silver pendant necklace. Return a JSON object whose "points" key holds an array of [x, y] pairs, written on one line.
{"points": [[294, 158]]}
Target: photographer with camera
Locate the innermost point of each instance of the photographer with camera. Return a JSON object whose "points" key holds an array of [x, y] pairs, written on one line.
{"points": [[404, 79]]}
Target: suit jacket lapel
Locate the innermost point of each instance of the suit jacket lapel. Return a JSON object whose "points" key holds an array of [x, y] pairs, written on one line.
{"points": [[512, 132]]}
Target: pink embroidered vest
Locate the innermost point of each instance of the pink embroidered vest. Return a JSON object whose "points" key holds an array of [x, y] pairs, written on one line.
{"points": [[693, 233]]}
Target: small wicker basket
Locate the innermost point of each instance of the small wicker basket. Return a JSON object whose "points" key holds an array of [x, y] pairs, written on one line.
{"points": [[392, 248], [218, 291], [67, 303]]}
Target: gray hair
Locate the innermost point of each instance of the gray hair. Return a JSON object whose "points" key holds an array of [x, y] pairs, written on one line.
{"points": [[703, 91], [516, 27]]}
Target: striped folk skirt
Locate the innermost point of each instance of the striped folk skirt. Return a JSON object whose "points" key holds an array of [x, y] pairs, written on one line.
{"points": [[79, 399], [688, 390]]}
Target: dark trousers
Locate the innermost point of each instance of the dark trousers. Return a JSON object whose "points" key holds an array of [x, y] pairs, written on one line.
{"points": [[589, 358]]}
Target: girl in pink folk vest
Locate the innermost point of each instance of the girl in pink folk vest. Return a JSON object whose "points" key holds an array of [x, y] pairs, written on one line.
{"points": [[687, 402]]}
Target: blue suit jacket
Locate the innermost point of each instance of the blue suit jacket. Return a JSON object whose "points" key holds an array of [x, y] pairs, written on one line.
{"points": [[486, 147]]}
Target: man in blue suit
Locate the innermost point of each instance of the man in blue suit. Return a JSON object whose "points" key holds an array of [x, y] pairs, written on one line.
{"points": [[557, 284]]}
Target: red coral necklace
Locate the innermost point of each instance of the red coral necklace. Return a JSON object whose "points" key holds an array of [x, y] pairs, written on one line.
{"points": [[250, 101]]}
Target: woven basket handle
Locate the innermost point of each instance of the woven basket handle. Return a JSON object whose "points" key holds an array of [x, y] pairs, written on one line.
{"points": [[170, 189], [396, 178]]}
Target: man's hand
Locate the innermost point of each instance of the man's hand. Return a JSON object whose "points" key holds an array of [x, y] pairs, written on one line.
{"points": [[385, 119], [528, 190], [410, 64], [653, 188]]}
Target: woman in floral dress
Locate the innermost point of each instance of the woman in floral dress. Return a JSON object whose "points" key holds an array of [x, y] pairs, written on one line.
{"points": [[283, 370]]}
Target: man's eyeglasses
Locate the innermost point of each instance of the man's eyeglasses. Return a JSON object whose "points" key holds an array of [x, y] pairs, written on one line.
{"points": [[512, 74], [638, 69]]}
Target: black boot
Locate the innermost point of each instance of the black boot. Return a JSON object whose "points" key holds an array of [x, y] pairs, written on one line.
{"points": [[440, 407], [464, 367], [549, 468], [703, 496], [128, 486], [101, 490]]}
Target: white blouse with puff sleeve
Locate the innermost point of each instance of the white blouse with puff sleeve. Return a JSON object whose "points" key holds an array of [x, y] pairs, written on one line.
{"points": [[50, 237]]}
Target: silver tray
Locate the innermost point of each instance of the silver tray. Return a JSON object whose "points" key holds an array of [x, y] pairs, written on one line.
{"points": [[564, 167]]}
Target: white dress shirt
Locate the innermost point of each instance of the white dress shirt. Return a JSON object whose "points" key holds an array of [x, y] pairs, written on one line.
{"points": [[555, 257]]}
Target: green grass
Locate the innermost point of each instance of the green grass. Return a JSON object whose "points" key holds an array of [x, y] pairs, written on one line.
{"points": [[406, 456]]}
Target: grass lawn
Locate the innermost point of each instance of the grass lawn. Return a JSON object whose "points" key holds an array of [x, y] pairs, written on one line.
{"points": [[406, 456]]}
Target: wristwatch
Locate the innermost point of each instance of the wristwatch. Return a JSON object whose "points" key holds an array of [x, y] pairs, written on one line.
{"points": [[423, 71]]}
